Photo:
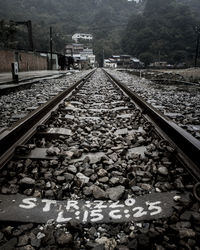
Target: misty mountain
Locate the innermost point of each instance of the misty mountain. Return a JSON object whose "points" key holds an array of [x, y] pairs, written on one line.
{"points": [[107, 20], [165, 31], [71, 16], [59, 11], [193, 4]]}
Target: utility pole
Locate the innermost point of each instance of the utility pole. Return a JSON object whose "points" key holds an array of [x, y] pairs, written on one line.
{"points": [[103, 57], [30, 34], [197, 29], [51, 49]]}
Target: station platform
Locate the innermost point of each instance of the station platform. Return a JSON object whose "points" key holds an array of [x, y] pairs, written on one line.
{"points": [[26, 79], [6, 78]]}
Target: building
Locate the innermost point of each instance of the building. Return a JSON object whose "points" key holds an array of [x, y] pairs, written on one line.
{"points": [[119, 60], [87, 55], [110, 63], [137, 1], [92, 60], [116, 58], [77, 36], [123, 61], [74, 50], [55, 59], [82, 56], [136, 63], [158, 65]]}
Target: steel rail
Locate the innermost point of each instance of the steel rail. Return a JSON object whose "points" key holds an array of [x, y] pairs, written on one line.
{"points": [[22, 131], [187, 147]]}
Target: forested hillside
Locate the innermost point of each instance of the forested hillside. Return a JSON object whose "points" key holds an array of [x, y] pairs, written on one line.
{"points": [[194, 6], [103, 18], [165, 31], [151, 30]]}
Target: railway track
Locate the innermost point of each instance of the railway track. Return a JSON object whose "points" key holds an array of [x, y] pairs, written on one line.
{"points": [[175, 100], [99, 169], [17, 104]]}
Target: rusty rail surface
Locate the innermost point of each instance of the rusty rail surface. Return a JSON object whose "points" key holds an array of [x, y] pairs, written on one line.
{"points": [[187, 147], [20, 132]]}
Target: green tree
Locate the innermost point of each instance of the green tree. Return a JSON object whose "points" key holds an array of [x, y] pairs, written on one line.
{"points": [[103, 18], [147, 58], [165, 31]]}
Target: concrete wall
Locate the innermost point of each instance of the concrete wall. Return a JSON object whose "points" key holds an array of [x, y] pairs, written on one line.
{"points": [[6, 57], [27, 60]]}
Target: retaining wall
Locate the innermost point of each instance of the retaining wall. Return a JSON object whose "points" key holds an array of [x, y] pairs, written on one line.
{"points": [[28, 61]]}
